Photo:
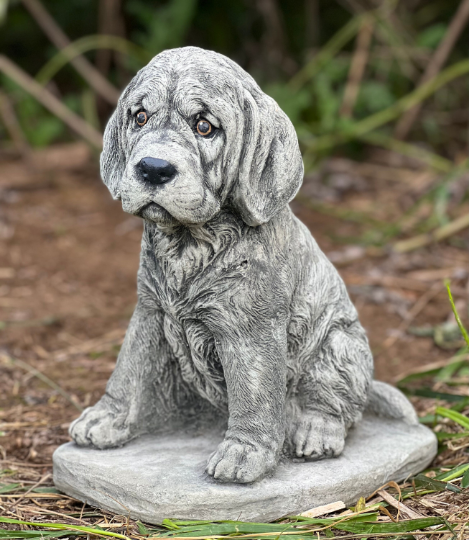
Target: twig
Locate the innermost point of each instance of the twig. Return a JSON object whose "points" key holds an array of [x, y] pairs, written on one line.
{"points": [[357, 66], [111, 22], [325, 55], [7, 112], [389, 31], [25, 465], [94, 78], [436, 63], [441, 233], [273, 39], [51, 512], [49, 101], [421, 303], [399, 506], [402, 508], [423, 155], [433, 365], [36, 373], [24, 495], [323, 510]]}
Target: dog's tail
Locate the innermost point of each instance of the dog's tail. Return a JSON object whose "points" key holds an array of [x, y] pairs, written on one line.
{"points": [[386, 400]]}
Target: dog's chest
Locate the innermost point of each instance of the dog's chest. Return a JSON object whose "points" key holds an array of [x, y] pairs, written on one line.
{"points": [[187, 289], [194, 347]]}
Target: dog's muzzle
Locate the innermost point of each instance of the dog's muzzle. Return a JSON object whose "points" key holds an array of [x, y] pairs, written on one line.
{"points": [[156, 171]]}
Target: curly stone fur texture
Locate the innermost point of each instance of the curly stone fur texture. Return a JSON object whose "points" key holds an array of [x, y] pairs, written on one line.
{"points": [[240, 315]]}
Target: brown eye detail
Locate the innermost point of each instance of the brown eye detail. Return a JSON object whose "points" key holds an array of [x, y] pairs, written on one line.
{"points": [[142, 118], [204, 127]]}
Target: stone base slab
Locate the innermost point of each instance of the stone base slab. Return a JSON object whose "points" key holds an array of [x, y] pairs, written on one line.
{"points": [[162, 476]]}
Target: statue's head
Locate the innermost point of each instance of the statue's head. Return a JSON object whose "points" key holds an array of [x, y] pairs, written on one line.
{"points": [[192, 134]]}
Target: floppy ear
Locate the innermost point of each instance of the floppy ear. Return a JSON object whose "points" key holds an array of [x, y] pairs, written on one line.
{"points": [[112, 157], [270, 167]]}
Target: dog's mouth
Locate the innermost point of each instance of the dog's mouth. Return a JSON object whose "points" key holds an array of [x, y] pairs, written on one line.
{"points": [[154, 212]]}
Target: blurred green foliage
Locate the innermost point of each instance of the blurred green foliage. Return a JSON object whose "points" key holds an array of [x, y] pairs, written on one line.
{"points": [[272, 39], [163, 26]]}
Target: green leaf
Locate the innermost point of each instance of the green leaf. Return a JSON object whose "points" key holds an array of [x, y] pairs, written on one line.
{"points": [[457, 417], [142, 529], [8, 488], [431, 36], [374, 96], [164, 26], [292, 102]]}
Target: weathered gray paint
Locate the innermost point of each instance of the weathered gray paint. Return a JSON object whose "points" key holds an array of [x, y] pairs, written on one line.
{"points": [[240, 316]]}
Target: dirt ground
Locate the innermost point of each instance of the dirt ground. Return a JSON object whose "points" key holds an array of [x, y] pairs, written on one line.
{"points": [[68, 262]]}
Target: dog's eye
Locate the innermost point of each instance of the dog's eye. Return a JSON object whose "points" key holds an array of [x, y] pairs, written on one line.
{"points": [[141, 118], [204, 128]]}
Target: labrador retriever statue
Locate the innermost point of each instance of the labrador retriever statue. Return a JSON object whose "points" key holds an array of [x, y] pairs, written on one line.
{"points": [[238, 309]]}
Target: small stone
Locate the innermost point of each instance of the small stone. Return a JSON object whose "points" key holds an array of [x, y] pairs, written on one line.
{"points": [[163, 476]]}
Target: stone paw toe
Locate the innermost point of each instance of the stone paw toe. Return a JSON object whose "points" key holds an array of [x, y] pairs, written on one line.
{"points": [[240, 463]]}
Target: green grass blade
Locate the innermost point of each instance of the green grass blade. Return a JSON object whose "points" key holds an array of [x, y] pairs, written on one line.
{"points": [[368, 516], [90, 43], [456, 314], [401, 527], [228, 528], [188, 529], [33, 535], [435, 161], [48, 489], [142, 529], [444, 436], [327, 53], [435, 485], [455, 416], [429, 393], [8, 488], [457, 472], [465, 480], [66, 527]]}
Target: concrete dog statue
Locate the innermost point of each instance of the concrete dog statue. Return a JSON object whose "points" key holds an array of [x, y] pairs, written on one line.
{"points": [[238, 309]]}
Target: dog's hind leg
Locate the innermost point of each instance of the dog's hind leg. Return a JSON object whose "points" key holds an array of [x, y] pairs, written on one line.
{"points": [[132, 404], [331, 394]]}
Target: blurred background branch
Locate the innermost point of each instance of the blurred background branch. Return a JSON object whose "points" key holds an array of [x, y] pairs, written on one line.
{"points": [[92, 76]]}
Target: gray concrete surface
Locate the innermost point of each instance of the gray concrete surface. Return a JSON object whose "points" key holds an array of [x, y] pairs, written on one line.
{"points": [[163, 476]]}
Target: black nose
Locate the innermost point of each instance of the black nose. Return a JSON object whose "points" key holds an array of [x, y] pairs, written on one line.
{"points": [[156, 171]]}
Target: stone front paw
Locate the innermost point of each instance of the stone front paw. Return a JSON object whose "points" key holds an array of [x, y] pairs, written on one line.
{"points": [[317, 436], [102, 426], [235, 461]]}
